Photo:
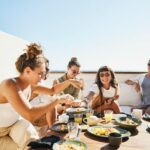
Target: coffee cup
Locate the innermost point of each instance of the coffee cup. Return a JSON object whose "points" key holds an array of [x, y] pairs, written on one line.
{"points": [[115, 139], [92, 120]]}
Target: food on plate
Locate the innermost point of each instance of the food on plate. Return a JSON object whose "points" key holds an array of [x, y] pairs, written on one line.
{"points": [[79, 109], [70, 146], [71, 110], [104, 131], [129, 121], [63, 127], [84, 126]]}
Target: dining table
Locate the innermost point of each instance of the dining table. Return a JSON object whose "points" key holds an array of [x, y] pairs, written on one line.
{"points": [[138, 140]]}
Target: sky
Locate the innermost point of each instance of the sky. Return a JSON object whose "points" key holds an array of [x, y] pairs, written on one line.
{"points": [[98, 32]]}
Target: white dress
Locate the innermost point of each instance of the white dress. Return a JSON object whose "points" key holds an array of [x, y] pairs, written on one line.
{"points": [[8, 116]]}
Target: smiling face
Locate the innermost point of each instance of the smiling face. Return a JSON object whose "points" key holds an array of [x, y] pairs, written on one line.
{"points": [[73, 71], [105, 77]]}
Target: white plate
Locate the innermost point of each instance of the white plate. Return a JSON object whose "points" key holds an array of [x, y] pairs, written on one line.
{"points": [[76, 145], [75, 110]]}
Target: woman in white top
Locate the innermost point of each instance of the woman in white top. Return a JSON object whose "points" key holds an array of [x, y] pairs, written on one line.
{"points": [[15, 132], [107, 91], [142, 85]]}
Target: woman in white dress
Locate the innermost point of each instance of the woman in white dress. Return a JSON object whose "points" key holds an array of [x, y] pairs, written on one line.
{"points": [[16, 113]]}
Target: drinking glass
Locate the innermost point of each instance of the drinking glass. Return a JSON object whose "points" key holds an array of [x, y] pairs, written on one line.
{"points": [[89, 113], [73, 130], [108, 115], [78, 118], [137, 113]]}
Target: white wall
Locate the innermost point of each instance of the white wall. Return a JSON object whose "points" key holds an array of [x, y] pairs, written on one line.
{"points": [[10, 48], [89, 78]]}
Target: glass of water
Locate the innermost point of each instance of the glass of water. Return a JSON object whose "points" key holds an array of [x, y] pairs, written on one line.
{"points": [[73, 130]]}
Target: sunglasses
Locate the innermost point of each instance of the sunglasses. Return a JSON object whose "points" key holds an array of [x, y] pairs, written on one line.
{"points": [[75, 72], [107, 74]]}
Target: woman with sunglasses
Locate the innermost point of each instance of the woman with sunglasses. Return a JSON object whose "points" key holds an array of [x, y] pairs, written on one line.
{"points": [[73, 69], [107, 91], [16, 130]]}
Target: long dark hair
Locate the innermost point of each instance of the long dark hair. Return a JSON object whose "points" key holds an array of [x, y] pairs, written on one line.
{"points": [[113, 81]]}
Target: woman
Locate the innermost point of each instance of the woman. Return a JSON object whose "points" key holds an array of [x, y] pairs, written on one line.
{"points": [[108, 91], [142, 84], [73, 69], [16, 131]]}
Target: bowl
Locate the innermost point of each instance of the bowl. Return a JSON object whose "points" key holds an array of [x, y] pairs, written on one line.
{"points": [[128, 122]]}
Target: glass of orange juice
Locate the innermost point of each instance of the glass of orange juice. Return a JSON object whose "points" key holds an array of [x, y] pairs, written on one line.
{"points": [[89, 113], [78, 118], [108, 115]]}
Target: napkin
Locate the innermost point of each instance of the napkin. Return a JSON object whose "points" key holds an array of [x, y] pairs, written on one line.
{"points": [[45, 142]]}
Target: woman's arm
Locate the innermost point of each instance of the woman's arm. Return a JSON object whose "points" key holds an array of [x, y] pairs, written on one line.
{"points": [[134, 83], [55, 82], [16, 98], [130, 82], [57, 88], [96, 101]]}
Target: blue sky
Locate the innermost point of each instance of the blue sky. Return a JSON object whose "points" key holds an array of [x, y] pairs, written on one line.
{"points": [[98, 32]]}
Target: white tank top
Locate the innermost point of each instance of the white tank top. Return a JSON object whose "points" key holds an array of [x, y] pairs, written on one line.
{"points": [[109, 93], [8, 115]]}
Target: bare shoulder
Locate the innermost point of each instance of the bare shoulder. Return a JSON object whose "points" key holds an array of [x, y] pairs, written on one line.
{"points": [[7, 83], [5, 87]]}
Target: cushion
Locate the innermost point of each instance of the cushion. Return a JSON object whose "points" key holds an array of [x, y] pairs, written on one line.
{"points": [[128, 95]]}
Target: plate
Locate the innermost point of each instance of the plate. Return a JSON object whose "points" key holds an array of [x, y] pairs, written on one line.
{"points": [[102, 131], [60, 127], [128, 122], [84, 127], [146, 117], [76, 110], [70, 145]]}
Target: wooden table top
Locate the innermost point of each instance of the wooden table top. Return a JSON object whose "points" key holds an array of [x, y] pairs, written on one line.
{"points": [[139, 140]]}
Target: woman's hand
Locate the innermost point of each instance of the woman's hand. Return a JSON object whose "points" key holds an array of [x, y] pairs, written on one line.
{"points": [[65, 99], [76, 83], [108, 101], [137, 87]]}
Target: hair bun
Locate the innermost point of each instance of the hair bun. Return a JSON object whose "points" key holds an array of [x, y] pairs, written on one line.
{"points": [[33, 50], [74, 59]]}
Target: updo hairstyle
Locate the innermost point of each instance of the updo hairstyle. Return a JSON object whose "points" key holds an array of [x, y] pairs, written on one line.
{"points": [[33, 57], [73, 62]]}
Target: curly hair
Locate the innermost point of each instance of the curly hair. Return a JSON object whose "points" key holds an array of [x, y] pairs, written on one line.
{"points": [[32, 58]]}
